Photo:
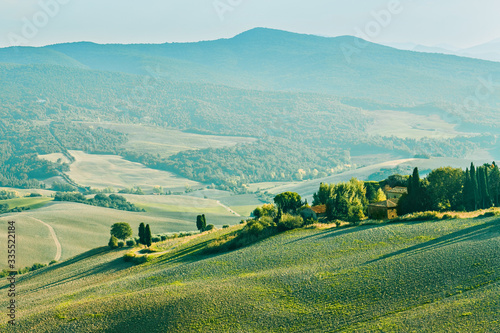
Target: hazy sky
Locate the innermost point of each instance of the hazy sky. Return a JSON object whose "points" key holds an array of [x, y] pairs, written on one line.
{"points": [[461, 23]]}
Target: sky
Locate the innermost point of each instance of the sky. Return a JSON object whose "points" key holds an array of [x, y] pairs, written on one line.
{"points": [[461, 23]]}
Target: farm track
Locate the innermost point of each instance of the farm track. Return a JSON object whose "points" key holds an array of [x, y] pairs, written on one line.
{"points": [[227, 208], [54, 237]]}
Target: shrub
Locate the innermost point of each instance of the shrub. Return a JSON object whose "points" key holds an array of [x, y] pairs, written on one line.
{"points": [[419, 216], [255, 227], [130, 242], [156, 239], [52, 262], [209, 227], [113, 242], [121, 244], [140, 259], [225, 226], [310, 221], [129, 256], [289, 222], [37, 266], [163, 237], [489, 214]]}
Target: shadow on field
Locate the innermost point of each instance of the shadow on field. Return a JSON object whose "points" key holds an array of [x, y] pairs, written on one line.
{"points": [[189, 254], [337, 231], [480, 232], [113, 266]]}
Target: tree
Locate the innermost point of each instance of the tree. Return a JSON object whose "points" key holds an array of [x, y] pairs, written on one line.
{"points": [[321, 197], [347, 201], [482, 181], [494, 184], [142, 234], [445, 189], [121, 230], [288, 202], [416, 187], [257, 213], [113, 242], [468, 192], [475, 188], [278, 216], [147, 237], [266, 210], [379, 196], [201, 222]]}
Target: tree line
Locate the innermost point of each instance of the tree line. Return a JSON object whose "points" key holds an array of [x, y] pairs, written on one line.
{"points": [[102, 200], [453, 189]]}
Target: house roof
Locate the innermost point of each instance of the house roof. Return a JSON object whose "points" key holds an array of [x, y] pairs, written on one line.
{"points": [[320, 209], [385, 204], [399, 190]]}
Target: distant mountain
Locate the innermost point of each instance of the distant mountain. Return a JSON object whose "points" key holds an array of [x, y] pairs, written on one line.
{"points": [[443, 48], [307, 99], [487, 51], [266, 59]]}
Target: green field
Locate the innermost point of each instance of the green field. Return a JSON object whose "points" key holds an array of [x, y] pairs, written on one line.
{"points": [[410, 277], [101, 171], [80, 227], [31, 203], [33, 242], [167, 142], [410, 125]]}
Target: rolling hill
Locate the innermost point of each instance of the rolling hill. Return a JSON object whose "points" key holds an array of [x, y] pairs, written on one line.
{"points": [[307, 106], [423, 276], [267, 59]]}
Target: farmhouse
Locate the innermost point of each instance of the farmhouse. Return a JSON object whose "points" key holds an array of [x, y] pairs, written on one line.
{"points": [[383, 210], [396, 193], [315, 212], [320, 210]]}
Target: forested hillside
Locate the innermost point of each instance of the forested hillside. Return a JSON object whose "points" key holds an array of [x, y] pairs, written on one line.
{"points": [[308, 106]]}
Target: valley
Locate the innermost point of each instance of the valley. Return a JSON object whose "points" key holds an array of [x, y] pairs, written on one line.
{"points": [[195, 140]]}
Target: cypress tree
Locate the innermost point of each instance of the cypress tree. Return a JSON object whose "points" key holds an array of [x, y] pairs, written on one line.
{"points": [[416, 196], [142, 230], [204, 221], [147, 236], [487, 187], [468, 196], [199, 223], [278, 216], [407, 204], [484, 200], [494, 180], [475, 189]]}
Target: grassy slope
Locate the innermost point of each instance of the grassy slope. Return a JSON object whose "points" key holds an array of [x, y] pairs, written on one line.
{"points": [[167, 142], [31, 203], [425, 277], [80, 227], [111, 170]]}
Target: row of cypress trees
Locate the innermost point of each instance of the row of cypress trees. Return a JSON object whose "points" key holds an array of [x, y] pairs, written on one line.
{"points": [[145, 237], [481, 187]]}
